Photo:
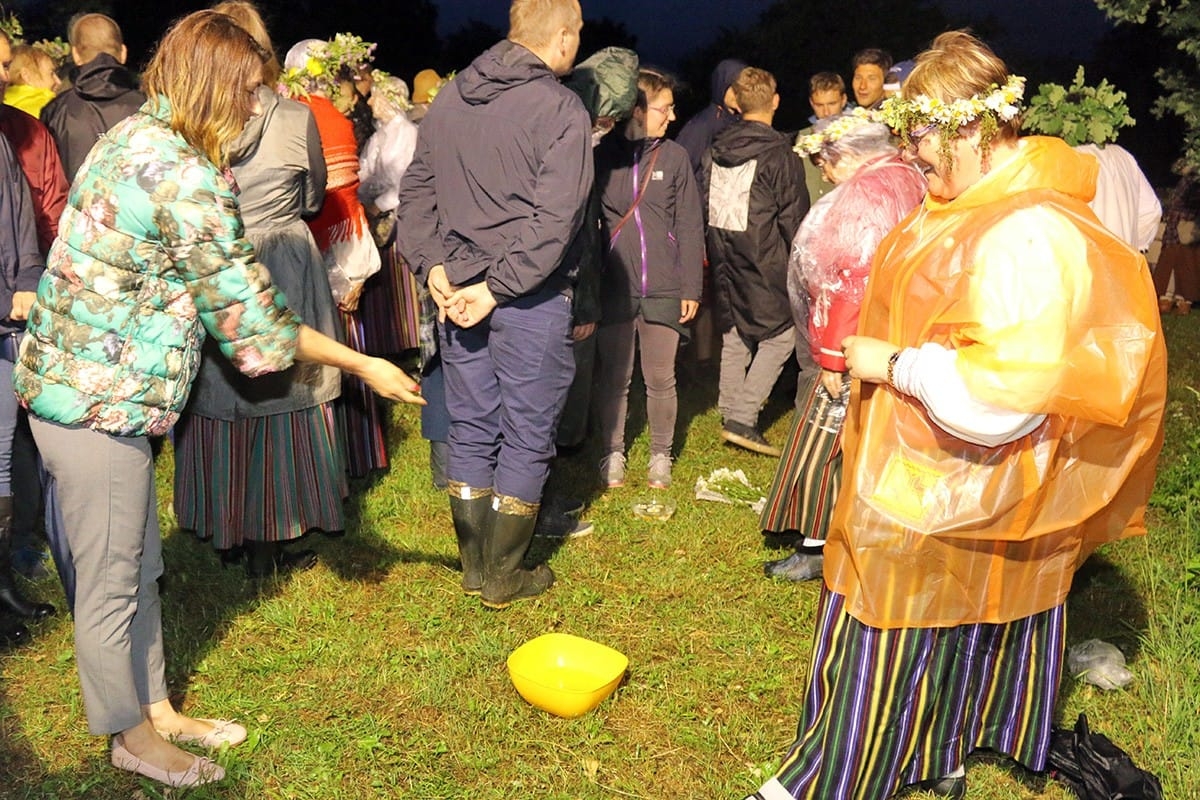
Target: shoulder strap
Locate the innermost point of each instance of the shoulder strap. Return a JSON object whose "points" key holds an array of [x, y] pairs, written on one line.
{"points": [[638, 197]]}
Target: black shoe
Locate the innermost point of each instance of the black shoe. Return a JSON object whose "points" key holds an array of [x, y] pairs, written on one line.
{"points": [[749, 438], [269, 558], [796, 567], [948, 788], [19, 606], [13, 634], [232, 555]]}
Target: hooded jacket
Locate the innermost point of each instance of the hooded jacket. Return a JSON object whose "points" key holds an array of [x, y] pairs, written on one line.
{"points": [[697, 134], [498, 184], [20, 263], [757, 199], [659, 250], [1047, 313], [103, 94]]}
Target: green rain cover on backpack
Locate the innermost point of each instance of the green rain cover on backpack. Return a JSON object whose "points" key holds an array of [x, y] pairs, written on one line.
{"points": [[606, 81]]}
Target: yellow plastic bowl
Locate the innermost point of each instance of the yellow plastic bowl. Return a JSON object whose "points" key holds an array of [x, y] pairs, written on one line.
{"points": [[564, 674]]}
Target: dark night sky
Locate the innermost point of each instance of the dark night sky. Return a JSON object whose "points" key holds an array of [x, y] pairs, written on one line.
{"points": [[669, 29]]}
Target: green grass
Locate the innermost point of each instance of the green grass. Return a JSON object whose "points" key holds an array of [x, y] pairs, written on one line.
{"points": [[373, 676]]}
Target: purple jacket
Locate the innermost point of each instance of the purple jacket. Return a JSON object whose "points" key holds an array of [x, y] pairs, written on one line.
{"points": [[502, 172]]}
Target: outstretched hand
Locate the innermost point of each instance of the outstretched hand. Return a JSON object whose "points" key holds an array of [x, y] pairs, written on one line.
{"points": [[388, 380]]}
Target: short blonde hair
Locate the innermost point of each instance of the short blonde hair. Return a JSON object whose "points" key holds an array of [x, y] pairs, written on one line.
{"points": [[93, 34], [247, 15], [534, 22], [958, 66], [754, 89], [27, 57], [202, 67]]}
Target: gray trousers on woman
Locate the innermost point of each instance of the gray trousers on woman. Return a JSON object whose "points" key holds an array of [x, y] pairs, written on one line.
{"points": [[105, 487], [616, 343]]}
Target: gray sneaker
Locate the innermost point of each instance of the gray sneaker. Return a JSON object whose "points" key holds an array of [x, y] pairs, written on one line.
{"points": [[612, 470], [659, 474]]}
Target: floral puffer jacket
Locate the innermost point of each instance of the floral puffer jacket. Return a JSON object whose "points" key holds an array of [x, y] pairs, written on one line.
{"points": [[150, 255]]}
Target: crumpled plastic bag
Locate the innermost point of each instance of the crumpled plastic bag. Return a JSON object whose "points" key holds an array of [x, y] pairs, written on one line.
{"points": [[1094, 768], [1099, 663], [724, 485]]}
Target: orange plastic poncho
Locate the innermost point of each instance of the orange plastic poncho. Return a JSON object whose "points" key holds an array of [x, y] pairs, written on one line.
{"points": [[1049, 314]]}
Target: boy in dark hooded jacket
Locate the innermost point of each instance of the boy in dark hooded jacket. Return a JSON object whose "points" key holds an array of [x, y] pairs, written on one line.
{"points": [[757, 198]]}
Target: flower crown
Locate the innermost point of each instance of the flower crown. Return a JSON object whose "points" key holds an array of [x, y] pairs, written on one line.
{"points": [[836, 129], [1001, 104], [391, 88], [343, 56]]}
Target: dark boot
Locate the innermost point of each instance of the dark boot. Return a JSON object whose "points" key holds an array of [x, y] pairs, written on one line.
{"points": [[264, 559], [472, 521], [504, 577], [12, 634], [10, 598], [799, 566]]}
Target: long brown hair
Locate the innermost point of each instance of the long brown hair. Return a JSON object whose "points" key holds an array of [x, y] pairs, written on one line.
{"points": [[202, 67]]}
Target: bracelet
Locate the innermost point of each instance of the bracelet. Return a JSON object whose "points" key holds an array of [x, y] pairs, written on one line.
{"points": [[891, 368]]}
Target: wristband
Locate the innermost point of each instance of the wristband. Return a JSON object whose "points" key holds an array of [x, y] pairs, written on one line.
{"points": [[891, 367]]}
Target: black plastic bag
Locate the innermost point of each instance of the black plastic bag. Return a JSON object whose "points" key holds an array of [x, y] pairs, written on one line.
{"points": [[1094, 768]]}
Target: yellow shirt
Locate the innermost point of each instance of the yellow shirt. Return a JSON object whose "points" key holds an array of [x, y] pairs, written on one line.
{"points": [[1049, 314], [29, 99]]}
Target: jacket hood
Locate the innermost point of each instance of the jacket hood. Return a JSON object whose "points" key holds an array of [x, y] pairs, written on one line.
{"points": [[247, 141], [744, 140], [1045, 163], [723, 77], [104, 78], [502, 67]]}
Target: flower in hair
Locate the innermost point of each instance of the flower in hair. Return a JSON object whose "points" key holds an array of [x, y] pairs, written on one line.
{"points": [[836, 129]]}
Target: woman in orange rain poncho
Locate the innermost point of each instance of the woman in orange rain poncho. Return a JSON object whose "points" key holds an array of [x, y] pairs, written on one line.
{"points": [[1012, 375]]}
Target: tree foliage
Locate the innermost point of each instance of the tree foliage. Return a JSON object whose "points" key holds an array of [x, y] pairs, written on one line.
{"points": [[1178, 22]]}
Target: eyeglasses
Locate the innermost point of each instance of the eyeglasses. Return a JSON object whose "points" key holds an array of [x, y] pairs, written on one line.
{"points": [[916, 137], [666, 111]]}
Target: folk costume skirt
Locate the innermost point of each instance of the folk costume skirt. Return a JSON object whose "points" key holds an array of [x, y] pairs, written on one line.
{"points": [[263, 479], [889, 708], [809, 474]]}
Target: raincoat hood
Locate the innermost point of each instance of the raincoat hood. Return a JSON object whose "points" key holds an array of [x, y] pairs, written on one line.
{"points": [[1043, 163], [104, 78], [744, 140], [504, 66]]}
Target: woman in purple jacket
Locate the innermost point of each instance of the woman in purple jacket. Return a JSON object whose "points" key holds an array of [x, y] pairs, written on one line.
{"points": [[653, 268]]}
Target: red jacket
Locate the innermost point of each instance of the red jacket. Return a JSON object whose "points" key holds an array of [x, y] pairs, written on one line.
{"points": [[38, 157]]}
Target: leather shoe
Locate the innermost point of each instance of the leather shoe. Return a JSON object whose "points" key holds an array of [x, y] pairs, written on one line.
{"points": [[13, 634], [948, 788], [21, 607], [796, 567], [202, 770], [263, 563], [224, 732]]}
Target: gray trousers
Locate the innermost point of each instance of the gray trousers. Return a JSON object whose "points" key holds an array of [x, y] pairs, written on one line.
{"points": [[748, 377], [105, 489], [617, 342]]}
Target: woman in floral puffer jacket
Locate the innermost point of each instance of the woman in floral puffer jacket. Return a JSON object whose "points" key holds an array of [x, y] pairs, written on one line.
{"points": [[150, 257]]}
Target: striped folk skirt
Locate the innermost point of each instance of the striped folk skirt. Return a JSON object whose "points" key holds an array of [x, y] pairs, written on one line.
{"points": [[889, 708], [360, 414], [266, 479], [809, 474], [388, 308]]}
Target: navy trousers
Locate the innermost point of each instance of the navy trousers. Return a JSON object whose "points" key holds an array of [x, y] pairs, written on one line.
{"points": [[506, 384]]}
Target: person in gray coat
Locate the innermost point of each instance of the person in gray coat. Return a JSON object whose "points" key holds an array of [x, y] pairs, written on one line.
{"points": [[259, 461]]}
